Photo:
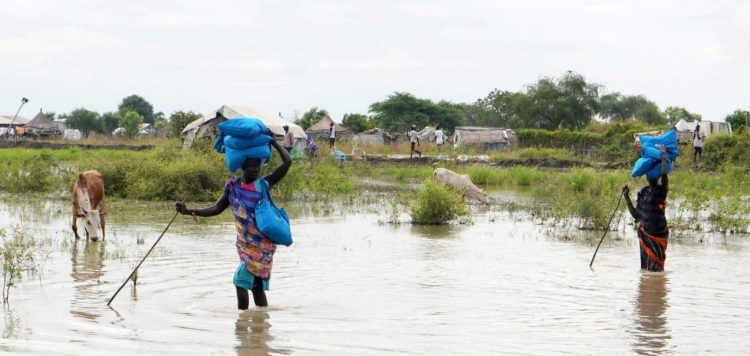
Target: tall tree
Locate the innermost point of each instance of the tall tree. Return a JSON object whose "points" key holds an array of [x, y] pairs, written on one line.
{"points": [[448, 115], [502, 109], [399, 111], [110, 121], [673, 114], [569, 102], [49, 115], [84, 120], [179, 119], [310, 117], [649, 113], [618, 107], [160, 121], [131, 122], [738, 119], [357, 122], [139, 105]]}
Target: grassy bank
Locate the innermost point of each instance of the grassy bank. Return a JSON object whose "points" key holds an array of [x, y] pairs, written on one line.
{"points": [[699, 199]]}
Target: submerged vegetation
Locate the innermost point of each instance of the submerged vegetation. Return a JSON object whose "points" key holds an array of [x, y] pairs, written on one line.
{"points": [[17, 257], [434, 204], [709, 195]]}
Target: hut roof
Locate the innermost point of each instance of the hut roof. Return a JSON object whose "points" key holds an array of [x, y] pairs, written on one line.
{"points": [[5, 120], [41, 122], [475, 134], [324, 125], [272, 121]]}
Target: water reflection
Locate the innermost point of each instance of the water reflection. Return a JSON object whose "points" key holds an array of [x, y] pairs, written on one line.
{"points": [[651, 331], [11, 323], [86, 271], [252, 333], [436, 231]]}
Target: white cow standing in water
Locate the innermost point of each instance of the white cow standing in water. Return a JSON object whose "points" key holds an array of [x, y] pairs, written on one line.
{"points": [[461, 183]]}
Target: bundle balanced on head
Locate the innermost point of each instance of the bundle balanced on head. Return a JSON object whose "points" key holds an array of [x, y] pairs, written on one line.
{"points": [[649, 211], [246, 144]]}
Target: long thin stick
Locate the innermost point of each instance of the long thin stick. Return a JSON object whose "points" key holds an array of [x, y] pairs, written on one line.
{"points": [[143, 259], [605, 231]]}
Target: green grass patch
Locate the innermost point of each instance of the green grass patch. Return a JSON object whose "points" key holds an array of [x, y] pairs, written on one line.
{"points": [[435, 204]]}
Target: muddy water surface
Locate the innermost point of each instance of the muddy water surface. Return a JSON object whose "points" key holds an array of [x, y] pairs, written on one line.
{"points": [[352, 285]]}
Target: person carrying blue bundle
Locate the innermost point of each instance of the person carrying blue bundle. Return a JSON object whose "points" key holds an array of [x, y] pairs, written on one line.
{"points": [[650, 217], [243, 195]]}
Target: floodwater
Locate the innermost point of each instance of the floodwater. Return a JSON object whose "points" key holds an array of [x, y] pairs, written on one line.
{"points": [[353, 285]]}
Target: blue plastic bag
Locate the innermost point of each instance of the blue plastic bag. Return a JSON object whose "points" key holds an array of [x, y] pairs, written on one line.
{"points": [[243, 127], [247, 142], [235, 157], [668, 139], [271, 221], [643, 165], [650, 162], [655, 171]]}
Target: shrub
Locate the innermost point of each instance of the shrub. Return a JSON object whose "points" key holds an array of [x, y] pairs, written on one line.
{"points": [[16, 256], [524, 176], [436, 204], [34, 173]]}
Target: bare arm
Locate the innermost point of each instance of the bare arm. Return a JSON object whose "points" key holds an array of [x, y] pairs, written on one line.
{"points": [[664, 176], [633, 211], [221, 204], [280, 172]]}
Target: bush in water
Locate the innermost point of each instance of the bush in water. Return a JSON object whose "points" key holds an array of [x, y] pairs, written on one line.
{"points": [[436, 204], [17, 254]]}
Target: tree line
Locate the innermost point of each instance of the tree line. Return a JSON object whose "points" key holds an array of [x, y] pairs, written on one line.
{"points": [[567, 102], [133, 111]]}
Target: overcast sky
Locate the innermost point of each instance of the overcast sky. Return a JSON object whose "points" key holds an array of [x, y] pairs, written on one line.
{"points": [[287, 56]]}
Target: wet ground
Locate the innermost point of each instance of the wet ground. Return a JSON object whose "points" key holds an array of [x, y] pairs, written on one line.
{"points": [[352, 284]]}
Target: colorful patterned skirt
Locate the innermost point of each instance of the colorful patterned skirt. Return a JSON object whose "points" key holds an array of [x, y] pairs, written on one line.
{"points": [[653, 250]]}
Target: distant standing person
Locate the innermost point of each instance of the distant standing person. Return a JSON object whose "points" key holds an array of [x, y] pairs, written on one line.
{"points": [[439, 137], [698, 137], [414, 138], [332, 136], [288, 139]]}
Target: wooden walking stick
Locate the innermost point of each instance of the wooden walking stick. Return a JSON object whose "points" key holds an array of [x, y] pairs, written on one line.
{"points": [[605, 231], [143, 259]]}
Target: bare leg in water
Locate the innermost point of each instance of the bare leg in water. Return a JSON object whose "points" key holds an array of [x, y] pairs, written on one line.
{"points": [[259, 296]]}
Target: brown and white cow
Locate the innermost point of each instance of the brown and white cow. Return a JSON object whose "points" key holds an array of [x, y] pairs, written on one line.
{"points": [[461, 183], [88, 203]]}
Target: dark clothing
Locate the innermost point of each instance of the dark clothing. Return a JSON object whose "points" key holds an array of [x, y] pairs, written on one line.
{"points": [[652, 227], [288, 149], [697, 151], [413, 149]]}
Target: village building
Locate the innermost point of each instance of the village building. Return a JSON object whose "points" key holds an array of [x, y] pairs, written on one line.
{"points": [[206, 125], [321, 129], [488, 138], [40, 125]]}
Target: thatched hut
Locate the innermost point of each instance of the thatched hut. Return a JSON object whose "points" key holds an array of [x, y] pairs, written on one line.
{"points": [[489, 138], [40, 125], [321, 129], [373, 137]]}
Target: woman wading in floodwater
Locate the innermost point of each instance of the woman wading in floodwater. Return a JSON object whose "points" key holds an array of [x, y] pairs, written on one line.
{"points": [[650, 217], [255, 251]]}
